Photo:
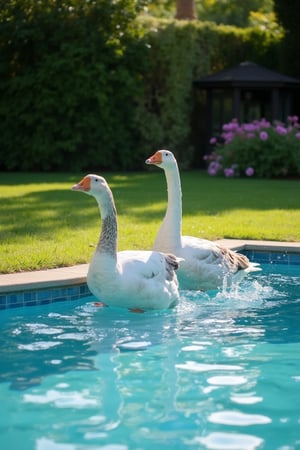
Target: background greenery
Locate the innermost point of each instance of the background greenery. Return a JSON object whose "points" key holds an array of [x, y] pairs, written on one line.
{"points": [[44, 224], [226, 12], [98, 85]]}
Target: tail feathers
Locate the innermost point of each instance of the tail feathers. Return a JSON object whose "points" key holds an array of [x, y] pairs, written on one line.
{"points": [[242, 261], [237, 261], [172, 264], [234, 260], [253, 267]]}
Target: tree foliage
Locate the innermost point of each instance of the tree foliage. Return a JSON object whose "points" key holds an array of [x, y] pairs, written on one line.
{"points": [[227, 12], [288, 15], [231, 12], [68, 81]]}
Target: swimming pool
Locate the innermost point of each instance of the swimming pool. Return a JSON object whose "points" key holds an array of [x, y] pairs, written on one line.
{"points": [[219, 371]]}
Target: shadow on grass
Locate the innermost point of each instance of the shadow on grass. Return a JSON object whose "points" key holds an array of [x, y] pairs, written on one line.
{"points": [[143, 196]]}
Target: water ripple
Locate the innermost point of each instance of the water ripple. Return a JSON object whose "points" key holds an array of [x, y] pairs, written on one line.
{"points": [[238, 418], [229, 441], [201, 367]]}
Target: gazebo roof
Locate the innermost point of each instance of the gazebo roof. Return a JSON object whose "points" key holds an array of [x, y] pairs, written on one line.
{"points": [[247, 74]]}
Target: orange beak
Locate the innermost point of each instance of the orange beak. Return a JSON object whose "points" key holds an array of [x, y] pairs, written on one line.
{"points": [[84, 185], [154, 159]]}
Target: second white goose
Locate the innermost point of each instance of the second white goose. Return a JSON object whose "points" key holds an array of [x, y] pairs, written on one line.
{"points": [[204, 263]]}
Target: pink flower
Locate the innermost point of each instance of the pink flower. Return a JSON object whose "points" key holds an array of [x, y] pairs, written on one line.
{"points": [[264, 123], [249, 171], [297, 135], [281, 130], [228, 137], [249, 127], [213, 140], [229, 172], [293, 118], [231, 126], [214, 168], [263, 135]]}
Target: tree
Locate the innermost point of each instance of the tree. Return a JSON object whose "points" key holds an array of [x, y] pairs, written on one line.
{"points": [[228, 12], [161, 8], [232, 12], [185, 9], [289, 17]]}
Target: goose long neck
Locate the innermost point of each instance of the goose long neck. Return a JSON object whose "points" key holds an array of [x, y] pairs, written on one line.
{"points": [[170, 230], [174, 209], [109, 229]]}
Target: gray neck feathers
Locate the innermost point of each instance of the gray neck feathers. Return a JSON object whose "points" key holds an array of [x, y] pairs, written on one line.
{"points": [[109, 231]]}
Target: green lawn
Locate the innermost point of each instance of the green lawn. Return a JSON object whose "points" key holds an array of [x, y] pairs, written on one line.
{"points": [[44, 224]]}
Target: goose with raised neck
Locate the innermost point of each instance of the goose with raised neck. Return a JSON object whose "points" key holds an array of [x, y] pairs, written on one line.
{"points": [[205, 265], [137, 280]]}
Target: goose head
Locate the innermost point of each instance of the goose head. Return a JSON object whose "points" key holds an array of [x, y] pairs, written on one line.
{"points": [[92, 185], [98, 188], [163, 159]]}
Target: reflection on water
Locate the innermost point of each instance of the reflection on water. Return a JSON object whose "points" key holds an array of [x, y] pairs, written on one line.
{"points": [[219, 371]]}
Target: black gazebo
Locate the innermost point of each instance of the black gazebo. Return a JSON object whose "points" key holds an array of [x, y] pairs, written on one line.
{"points": [[246, 92]]}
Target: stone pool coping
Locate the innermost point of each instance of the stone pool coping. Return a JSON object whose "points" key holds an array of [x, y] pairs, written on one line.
{"points": [[76, 275]]}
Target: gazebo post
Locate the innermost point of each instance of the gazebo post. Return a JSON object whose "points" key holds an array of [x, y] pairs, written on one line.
{"points": [[209, 119], [275, 104], [236, 103]]}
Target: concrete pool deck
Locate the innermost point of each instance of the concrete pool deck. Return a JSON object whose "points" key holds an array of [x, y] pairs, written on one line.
{"points": [[76, 275]]}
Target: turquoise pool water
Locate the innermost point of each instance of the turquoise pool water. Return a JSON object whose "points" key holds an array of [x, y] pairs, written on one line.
{"points": [[220, 371]]}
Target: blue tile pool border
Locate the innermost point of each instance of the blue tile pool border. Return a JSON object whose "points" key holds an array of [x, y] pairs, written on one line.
{"points": [[43, 296], [274, 257]]}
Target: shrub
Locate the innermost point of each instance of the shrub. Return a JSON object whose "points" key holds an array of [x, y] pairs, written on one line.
{"points": [[69, 76], [257, 148]]}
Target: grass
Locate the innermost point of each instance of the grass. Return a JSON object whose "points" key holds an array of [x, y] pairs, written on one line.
{"points": [[44, 224]]}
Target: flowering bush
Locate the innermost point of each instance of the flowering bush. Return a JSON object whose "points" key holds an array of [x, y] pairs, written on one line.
{"points": [[257, 149]]}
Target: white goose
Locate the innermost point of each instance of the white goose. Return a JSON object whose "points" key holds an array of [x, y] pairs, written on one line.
{"points": [[204, 264], [137, 280]]}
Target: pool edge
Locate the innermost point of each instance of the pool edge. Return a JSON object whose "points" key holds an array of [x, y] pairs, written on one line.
{"points": [[69, 283]]}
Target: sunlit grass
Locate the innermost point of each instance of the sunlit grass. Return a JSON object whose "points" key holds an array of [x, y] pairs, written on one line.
{"points": [[44, 224]]}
